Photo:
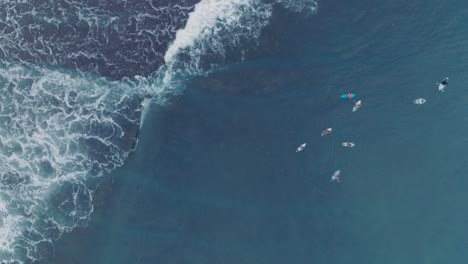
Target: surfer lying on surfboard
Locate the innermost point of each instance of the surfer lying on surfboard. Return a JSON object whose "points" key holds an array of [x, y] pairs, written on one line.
{"points": [[347, 96], [443, 84], [327, 131], [357, 105], [336, 176], [347, 144], [301, 147], [419, 101]]}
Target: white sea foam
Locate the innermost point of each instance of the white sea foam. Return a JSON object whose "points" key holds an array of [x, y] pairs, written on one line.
{"points": [[208, 19], [211, 28], [309, 6], [211, 19], [59, 131]]}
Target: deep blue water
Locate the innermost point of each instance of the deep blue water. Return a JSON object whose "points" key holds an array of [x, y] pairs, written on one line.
{"points": [[215, 177]]}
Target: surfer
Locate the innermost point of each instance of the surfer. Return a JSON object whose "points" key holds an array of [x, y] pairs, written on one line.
{"points": [[301, 147], [327, 131], [357, 105], [419, 101], [336, 176], [347, 96], [443, 84], [348, 144]]}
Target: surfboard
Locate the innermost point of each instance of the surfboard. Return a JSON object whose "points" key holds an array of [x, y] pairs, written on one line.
{"points": [[419, 101], [348, 144], [343, 96], [357, 106], [326, 131], [441, 86], [301, 147]]}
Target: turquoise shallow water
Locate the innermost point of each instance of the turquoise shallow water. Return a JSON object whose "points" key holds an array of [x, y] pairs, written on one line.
{"points": [[215, 178]]}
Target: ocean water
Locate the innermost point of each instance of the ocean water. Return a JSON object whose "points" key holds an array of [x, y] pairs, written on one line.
{"points": [[163, 132]]}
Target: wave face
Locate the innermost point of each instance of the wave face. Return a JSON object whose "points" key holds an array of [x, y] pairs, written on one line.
{"points": [[75, 78]]}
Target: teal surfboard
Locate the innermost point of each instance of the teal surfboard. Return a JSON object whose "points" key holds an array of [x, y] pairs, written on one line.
{"points": [[344, 95]]}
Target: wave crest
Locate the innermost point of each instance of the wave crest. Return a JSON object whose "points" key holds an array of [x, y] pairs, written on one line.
{"points": [[215, 30]]}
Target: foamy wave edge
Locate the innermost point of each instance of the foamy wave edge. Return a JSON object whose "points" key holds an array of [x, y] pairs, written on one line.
{"points": [[211, 29]]}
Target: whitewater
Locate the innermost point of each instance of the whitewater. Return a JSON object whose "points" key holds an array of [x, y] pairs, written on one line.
{"points": [[75, 81]]}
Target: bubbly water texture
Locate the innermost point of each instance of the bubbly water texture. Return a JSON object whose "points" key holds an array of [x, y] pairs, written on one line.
{"points": [[73, 92], [108, 37]]}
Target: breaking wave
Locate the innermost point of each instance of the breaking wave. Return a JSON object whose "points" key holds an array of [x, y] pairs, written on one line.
{"points": [[71, 102]]}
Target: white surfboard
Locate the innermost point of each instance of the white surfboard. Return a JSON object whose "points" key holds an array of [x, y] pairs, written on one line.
{"points": [[357, 105], [419, 101], [348, 144], [301, 147], [327, 131], [442, 86], [336, 176]]}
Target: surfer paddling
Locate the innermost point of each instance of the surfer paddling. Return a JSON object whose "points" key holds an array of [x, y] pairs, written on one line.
{"points": [[419, 101], [348, 144], [327, 131], [357, 105], [347, 96], [301, 147], [443, 84], [336, 176]]}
